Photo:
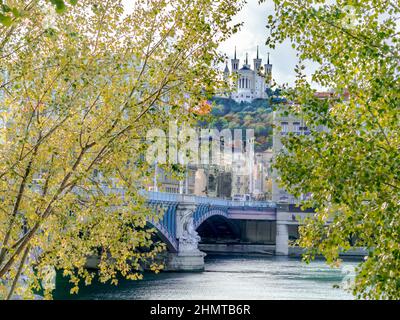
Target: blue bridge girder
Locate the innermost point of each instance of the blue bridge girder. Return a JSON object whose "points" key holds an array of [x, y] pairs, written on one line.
{"points": [[205, 207]]}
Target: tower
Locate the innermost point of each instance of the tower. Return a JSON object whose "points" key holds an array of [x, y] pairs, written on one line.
{"points": [[235, 63], [257, 62], [246, 64], [268, 71], [226, 71]]}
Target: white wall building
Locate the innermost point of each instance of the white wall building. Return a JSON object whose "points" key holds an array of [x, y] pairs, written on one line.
{"points": [[250, 83]]}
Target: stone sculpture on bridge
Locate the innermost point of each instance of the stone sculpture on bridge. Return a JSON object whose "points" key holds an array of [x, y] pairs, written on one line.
{"points": [[189, 239]]}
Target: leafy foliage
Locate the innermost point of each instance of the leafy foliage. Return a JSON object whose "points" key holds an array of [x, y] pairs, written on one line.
{"points": [[352, 167], [228, 114], [78, 92], [11, 11]]}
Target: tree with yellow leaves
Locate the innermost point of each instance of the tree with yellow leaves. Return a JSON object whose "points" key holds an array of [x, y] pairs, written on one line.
{"points": [[78, 91]]}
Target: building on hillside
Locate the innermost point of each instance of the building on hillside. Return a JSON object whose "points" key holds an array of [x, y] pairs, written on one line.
{"points": [[262, 175], [250, 83], [218, 183], [239, 175], [164, 182]]}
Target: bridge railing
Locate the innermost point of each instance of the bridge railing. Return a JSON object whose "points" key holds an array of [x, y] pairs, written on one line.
{"points": [[176, 197]]}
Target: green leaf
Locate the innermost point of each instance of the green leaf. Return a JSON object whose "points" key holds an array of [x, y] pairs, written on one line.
{"points": [[16, 12], [5, 8], [5, 20], [60, 5]]}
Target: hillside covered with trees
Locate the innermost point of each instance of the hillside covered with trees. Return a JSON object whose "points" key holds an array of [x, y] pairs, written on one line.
{"points": [[229, 114]]}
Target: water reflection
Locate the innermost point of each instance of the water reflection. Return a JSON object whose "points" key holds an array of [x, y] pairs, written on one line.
{"points": [[229, 277]]}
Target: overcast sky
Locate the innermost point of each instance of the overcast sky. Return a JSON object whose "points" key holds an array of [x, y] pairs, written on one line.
{"points": [[253, 33]]}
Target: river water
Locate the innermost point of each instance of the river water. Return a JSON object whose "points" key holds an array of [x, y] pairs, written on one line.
{"points": [[230, 277]]}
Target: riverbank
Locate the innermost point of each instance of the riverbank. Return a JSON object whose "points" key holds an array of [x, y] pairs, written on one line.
{"points": [[267, 249]]}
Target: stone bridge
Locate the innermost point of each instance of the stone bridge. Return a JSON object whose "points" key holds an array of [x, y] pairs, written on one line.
{"points": [[184, 214]]}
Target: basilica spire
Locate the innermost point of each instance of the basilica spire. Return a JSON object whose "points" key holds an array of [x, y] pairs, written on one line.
{"points": [[226, 67], [268, 71], [257, 61], [235, 62]]}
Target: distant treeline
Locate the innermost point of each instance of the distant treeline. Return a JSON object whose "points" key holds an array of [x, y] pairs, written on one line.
{"points": [[229, 114]]}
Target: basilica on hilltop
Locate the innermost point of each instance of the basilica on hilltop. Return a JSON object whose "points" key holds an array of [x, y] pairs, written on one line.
{"points": [[250, 83]]}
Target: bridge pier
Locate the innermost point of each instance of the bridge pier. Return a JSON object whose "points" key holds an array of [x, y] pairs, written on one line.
{"points": [[282, 239], [185, 261], [185, 213], [188, 257], [282, 229]]}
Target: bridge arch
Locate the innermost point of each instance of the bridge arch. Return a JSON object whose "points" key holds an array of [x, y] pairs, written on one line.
{"points": [[166, 226], [165, 236], [206, 216], [199, 219]]}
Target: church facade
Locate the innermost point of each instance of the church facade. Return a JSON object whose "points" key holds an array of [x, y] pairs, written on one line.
{"points": [[249, 83]]}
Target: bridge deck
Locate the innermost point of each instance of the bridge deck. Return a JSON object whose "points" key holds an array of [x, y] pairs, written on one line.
{"points": [[176, 197]]}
